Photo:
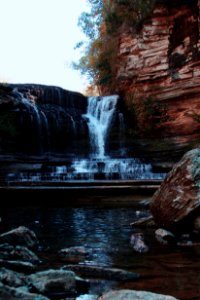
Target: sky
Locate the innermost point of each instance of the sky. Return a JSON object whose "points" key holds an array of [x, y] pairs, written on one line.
{"points": [[37, 40]]}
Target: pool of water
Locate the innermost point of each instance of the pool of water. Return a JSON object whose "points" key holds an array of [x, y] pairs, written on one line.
{"points": [[105, 233]]}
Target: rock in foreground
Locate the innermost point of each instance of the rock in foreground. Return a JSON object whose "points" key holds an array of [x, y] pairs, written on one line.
{"points": [[179, 195], [53, 281], [134, 295], [7, 292], [20, 236]]}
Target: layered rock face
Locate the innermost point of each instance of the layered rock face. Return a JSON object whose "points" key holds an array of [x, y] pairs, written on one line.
{"points": [[162, 62], [35, 119]]}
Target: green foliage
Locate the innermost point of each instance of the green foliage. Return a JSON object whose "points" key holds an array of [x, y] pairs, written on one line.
{"points": [[147, 114], [90, 22], [101, 26], [132, 12]]}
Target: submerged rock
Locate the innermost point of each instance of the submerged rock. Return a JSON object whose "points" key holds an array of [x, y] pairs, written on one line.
{"points": [[101, 272], [144, 222], [138, 244], [134, 295], [87, 297], [20, 236], [73, 254], [165, 237], [188, 240]]}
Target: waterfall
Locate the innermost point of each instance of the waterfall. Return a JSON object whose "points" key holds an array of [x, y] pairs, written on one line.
{"points": [[33, 109], [99, 115], [68, 128]]}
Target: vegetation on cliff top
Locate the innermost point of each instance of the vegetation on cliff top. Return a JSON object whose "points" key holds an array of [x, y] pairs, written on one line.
{"points": [[101, 26]]}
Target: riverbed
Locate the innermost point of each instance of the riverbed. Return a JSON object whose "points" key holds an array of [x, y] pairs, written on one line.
{"points": [[105, 233]]}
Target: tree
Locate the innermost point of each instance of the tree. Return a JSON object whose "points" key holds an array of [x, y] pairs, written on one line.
{"points": [[101, 26]]}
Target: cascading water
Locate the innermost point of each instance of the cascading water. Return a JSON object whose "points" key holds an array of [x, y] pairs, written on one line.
{"points": [[99, 115], [102, 117], [40, 118], [49, 121]]}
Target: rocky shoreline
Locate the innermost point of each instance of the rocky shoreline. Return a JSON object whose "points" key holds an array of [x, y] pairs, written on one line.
{"points": [[23, 277]]}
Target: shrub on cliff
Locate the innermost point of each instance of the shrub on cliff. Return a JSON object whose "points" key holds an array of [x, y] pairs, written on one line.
{"points": [[147, 114]]}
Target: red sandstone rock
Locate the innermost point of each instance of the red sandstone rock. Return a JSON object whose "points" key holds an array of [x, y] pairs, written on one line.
{"points": [[178, 195], [162, 61]]}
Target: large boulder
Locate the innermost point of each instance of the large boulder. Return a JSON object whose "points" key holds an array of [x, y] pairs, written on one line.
{"points": [[178, 197]]}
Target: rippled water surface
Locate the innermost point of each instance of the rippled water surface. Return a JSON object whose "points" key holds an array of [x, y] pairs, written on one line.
{"points": [[105, 233]]}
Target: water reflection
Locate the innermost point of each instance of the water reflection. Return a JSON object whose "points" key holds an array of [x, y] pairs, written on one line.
{"points": [[105, 233]]}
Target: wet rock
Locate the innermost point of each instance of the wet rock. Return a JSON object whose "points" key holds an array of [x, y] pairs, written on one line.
{"points": [[144, 222], [20, 236], [10, 252], [52, 282], [101, 272], [137, 243], [11, 278], [73, 254], [178, 197], [188, 243], [145, 202], [8, 96], [136, 295], [19, 266], [164, 236], [87, 297], [11, 293]]}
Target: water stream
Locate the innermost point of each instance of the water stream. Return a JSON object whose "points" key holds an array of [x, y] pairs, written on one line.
{"points": [[105, 234]]}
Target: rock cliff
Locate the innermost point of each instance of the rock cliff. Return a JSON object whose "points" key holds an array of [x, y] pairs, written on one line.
{"points": [[37, 119], [161, 62]]}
